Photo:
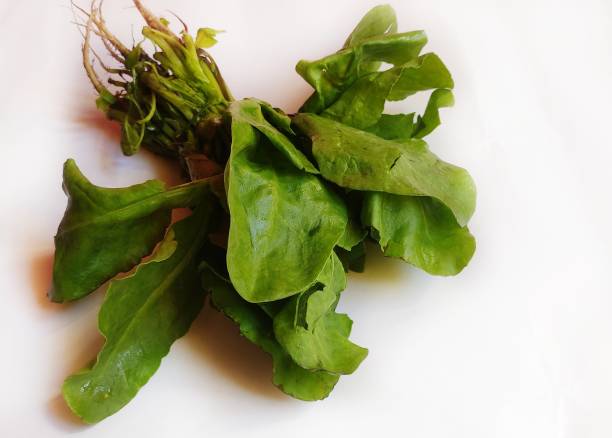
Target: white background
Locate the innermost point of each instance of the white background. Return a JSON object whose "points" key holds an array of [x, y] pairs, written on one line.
{"points": [[519, 345]]}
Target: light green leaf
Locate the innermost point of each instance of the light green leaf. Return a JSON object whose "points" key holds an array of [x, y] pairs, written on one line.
{"points": [[419, 230], [205, 37], [131, 136], [284, 222], [359, 160], [256, 326], [142, 315], [380, 20], [430, 120], [353, 234], [427, 73], [314, 335], [107, 231]]}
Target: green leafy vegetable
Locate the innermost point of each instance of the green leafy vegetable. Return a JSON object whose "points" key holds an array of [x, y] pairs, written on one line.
{"points": [[141, 317], [256, 326], [359, 160], [362, 105], [394, 126], [332, 75], [379, 20], [284, 222], [431, 119], [420, 230], [283, 206], [107, 231], [314, 335]]}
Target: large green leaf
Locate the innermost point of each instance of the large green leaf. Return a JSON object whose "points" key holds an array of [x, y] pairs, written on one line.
{"points": [[419, 230], [256, 326], [314, 335], [106, 231], [359, 160], [284, 222], [142, 315]]}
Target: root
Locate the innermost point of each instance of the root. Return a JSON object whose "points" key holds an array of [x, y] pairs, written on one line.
{"points": [[87, 62], [152, 21]]}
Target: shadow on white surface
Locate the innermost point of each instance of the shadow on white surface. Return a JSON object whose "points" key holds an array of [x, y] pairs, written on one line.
{"points": [[41, 272], [233, 357], [63, 418], [380, 269], [79, 348]]}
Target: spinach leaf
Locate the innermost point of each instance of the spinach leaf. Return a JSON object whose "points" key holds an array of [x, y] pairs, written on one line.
{"points": [[379, 20], [359, 160], [404, 127], [106, 231], [142, 315], [284, 223], [426, 73], [353, 234], [332, 75], [419, 230], [362, 104], [351, 247], [249, 111], [431, 118], [314, 335], [394, 126], [256, 326]]}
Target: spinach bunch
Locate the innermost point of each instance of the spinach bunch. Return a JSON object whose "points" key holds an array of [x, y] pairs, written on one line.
{"points": [[281, 205]]}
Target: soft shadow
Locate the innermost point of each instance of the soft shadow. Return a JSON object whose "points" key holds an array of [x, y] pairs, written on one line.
{"points": [[41, 271], [65, 419], [80, 351], [94, 118], [379, 268], [218, 340]]}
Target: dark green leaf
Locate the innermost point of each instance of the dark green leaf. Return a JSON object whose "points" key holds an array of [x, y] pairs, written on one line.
{"points": [[106, 231], [256, 326], [142, 315], [353, 259], [250, 111], [359, 160], [284, 222], [420, 230]]}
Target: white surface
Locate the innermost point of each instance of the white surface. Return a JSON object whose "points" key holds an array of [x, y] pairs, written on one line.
{"points": [[519, 345]]}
